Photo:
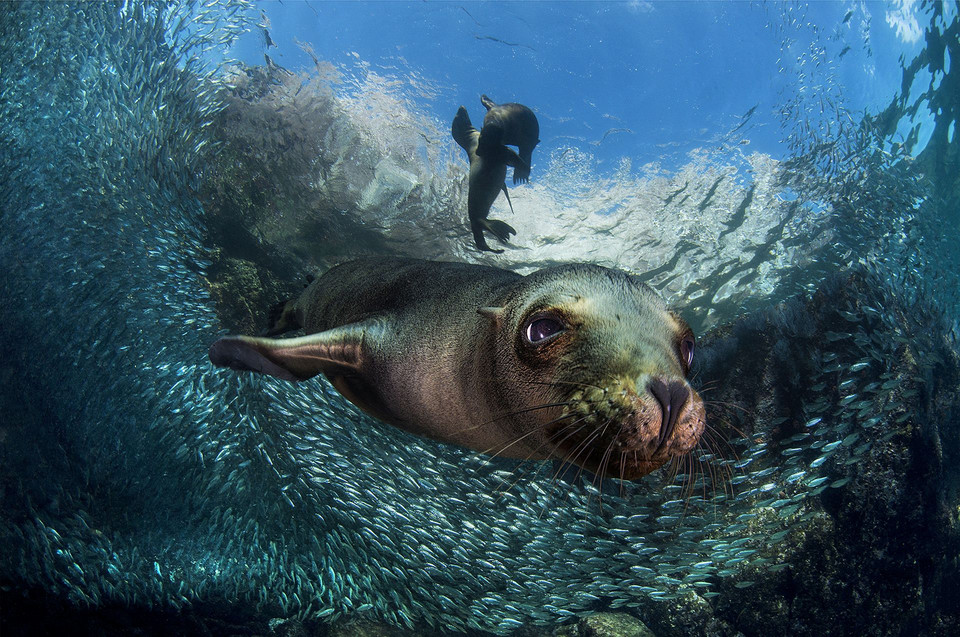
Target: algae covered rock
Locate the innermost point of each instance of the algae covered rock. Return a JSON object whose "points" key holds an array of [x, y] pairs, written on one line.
{"points": [[613, 625], [244, 291]]}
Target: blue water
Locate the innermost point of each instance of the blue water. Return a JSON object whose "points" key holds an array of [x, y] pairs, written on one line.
{"points": [[670, 73], [160, 187]]}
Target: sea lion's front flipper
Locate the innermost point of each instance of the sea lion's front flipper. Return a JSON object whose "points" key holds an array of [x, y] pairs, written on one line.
{"points": [[511, 158], [521, 173], [521, 167], [300, 358], [462, 128]]}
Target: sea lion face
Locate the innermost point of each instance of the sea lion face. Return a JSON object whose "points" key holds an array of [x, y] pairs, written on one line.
{"points": [[611, 360]]}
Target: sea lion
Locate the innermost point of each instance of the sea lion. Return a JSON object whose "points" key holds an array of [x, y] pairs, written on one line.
{"points": [[515, 125], [487, 175], [575, 362]]}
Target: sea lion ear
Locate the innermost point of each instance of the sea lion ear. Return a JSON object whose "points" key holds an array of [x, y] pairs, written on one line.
{"points": [[492, 313], [295, 359]]}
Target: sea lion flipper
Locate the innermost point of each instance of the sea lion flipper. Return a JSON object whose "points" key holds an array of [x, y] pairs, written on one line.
{"points": [[296, 359], [507, 195], [511, 158], [478, 226], [500, 229], [487, 102], [462, 129], [521, 173]]}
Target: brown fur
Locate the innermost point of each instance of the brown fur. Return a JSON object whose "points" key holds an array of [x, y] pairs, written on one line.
{"points": [[438, 349]]}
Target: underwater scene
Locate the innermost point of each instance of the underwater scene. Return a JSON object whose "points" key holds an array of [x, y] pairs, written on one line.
{"points": [[571, 318]]}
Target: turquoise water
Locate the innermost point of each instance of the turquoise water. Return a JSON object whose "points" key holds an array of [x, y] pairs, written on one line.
{"points": [[734, 155]]}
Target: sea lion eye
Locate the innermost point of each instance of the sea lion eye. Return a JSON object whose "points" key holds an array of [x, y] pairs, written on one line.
{"points": [[687, 345], [543, 328]]}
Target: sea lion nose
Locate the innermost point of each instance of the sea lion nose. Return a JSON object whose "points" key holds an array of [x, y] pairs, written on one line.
{"points": [[671, 395]]}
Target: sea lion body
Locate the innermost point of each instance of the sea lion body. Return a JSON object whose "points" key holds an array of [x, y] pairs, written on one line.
{"points": [[486, 181], [576, 362], [515, 125]]}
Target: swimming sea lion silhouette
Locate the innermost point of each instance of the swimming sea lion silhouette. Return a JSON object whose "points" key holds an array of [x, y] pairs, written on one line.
{"points": [[488, 170], [515, 125]]}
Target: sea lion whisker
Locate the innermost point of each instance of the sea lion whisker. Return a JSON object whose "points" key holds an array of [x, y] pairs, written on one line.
{"points": [[729, 405], [603, 468], [718, 473], [529, 433], [573, 453], [727, 423], [492, 456], [563, 462], [520, 471], [606, 456], [706, 442], [683, 463], [710, 468], [708, 386], [688, 484], [549, 441], [567, 427], [583, 446], [555, 383], [623, 466], [541, 465], [671, 471], [690, 465], [718, 441], [721, 478], [545, 442], [598, 474], [514, 413], [710, 472], [696, 470], [523, 467], [536, 407]]}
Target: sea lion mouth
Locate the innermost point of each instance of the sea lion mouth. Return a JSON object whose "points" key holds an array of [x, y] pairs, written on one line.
{"points": [[614, 431]]}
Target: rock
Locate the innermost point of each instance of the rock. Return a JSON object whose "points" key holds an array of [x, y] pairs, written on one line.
{"points": [[244, 291], [613, 625], [365, 628]]}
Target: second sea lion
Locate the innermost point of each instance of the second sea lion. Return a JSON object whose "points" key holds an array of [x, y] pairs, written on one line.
{"points": [[515, 125], [487, 174], [578, 363]]}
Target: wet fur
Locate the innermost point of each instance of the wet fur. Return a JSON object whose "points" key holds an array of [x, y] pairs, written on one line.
{"points": [[441, 355]]}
